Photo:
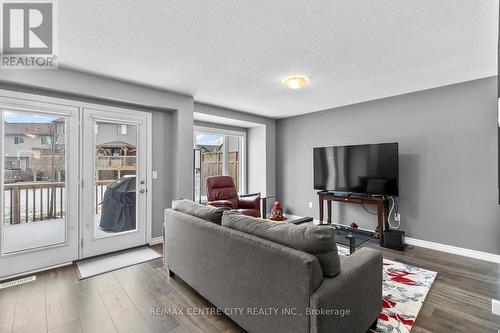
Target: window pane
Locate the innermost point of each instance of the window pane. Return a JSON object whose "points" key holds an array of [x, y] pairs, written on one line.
{"points": [[197, 175], [34, 205], [115, 178], [216, 154], [122, 129], [211, 148]]}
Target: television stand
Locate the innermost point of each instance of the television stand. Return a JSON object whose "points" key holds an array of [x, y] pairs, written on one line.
{"points": [[381, 204]]}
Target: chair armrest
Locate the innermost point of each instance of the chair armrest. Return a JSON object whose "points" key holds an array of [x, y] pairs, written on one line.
{"points": [[221, 203], [249, 203], [357, 289], [250, 195]]}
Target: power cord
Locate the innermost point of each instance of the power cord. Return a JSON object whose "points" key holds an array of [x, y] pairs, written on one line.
{"points": [[393, 207], [367, 210], [397, 224]]}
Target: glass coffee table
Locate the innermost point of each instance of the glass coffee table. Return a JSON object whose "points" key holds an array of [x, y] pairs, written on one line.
{"points": [[350, 237]]}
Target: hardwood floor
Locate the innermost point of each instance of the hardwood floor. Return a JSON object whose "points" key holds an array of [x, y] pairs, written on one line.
{"points": [[460, 297], [123, 300]]}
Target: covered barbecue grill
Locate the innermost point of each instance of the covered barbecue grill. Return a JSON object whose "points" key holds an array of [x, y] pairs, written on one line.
{"points": [[118, 206]]}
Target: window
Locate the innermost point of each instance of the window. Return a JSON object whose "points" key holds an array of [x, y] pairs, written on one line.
{"points": [[122, 129], [45, 140], [218, 152], [45, 166]]}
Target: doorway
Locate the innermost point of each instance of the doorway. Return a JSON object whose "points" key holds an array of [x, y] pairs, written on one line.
{"points": [[115, 180], [74, 181]]}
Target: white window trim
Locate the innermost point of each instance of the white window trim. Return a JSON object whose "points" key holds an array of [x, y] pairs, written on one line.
{"points": [[243, 135]]}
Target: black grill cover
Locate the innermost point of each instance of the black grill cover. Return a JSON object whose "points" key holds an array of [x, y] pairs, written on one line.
{"points": [[118, 206]]}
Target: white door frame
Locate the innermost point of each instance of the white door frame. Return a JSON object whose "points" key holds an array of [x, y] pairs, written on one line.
{"points": [[18, 262], [15, 264], [114, 114]]}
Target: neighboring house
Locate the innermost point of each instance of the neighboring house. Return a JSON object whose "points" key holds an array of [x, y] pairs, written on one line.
{"points": [[116, 150], [35, 151]]}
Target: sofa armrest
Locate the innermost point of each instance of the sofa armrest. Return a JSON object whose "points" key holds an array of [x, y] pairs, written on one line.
{"points": [[249, 203], [357, 289], [221, 203]]}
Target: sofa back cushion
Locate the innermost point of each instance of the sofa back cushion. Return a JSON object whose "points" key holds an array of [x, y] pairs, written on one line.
{"points": [[212, 214], [315, 240]]}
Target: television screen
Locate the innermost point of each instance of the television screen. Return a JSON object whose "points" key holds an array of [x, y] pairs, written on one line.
{"points": [[360, 169]]}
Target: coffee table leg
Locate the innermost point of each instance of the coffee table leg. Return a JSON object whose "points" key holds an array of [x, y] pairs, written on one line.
{"points": [[352, 244], [329, 206], [321, 209], [380, 218], [264, 208]]}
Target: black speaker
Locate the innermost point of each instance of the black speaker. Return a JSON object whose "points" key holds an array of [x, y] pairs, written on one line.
{"points": [[394, 239]]}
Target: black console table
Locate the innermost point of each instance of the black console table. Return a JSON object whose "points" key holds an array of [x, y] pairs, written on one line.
{"points": [[381, 204]]}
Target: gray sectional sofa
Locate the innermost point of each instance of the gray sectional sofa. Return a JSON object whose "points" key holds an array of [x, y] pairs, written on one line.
{"points": [[264, 285]]}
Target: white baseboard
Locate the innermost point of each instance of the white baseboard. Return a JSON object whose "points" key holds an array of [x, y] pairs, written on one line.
{"points": [[454, 250], [156, 240], [448, 248]]}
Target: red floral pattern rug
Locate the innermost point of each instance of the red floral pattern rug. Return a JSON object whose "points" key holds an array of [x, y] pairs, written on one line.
{"points": [[403, 293]]}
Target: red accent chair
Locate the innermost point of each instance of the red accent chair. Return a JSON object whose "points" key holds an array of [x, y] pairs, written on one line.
{"points": [[221, 192]]}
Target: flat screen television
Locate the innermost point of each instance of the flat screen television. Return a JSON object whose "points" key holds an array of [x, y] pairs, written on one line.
{"points": [[361, 169]]}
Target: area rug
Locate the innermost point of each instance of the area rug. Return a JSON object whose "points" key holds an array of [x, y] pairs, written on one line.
{"points": [[113, 261], [404, 289]]}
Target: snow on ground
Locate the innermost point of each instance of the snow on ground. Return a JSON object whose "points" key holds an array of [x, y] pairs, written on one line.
{"points": [[38, 196]]}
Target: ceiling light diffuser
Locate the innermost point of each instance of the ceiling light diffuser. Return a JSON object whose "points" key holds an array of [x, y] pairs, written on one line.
{"points": [[296, 82]]}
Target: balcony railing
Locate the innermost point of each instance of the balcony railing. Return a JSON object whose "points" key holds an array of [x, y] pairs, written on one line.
{"points": [[116, 162], [33, 201], [38, 201], [100, 189]]}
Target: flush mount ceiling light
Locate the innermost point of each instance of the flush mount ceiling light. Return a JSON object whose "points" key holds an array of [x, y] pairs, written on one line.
{"points": [[296, 82]]}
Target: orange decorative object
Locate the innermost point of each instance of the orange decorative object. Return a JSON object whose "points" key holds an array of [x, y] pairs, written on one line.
{"points": [[277, 212]]}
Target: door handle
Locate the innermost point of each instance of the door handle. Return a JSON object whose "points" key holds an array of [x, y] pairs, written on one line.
{"points": [[142, 191]]}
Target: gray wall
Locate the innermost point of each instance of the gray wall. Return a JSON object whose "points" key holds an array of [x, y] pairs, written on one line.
{"points": [[164, 164], [257, 175], [109, 133], [448, 160]]}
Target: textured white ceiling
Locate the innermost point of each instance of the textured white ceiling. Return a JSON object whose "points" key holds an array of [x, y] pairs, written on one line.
{"points": [[235, 53]]}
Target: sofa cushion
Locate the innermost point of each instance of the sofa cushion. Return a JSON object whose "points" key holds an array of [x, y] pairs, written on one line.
{"points": [[316, 240], [212, 214]]}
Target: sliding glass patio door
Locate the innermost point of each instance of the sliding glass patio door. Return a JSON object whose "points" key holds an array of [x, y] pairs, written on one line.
{"points": [[39, 171]]}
